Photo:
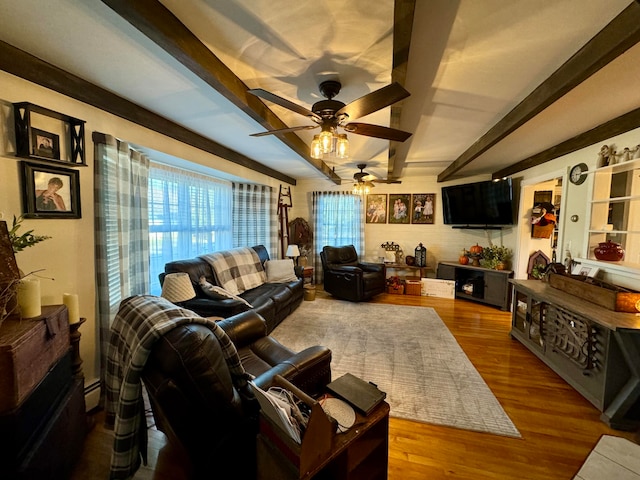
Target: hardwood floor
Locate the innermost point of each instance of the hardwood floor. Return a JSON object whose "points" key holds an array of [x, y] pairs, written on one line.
{"points": [[558, 426]]}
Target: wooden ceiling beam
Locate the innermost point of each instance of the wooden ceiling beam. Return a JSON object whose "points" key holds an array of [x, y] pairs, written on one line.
{"points": [[24, 65], [617, 126], [163, 28], [403, 14], [617, 37]]}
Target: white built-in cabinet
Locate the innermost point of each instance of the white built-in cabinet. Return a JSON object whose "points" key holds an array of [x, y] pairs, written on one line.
{"points": [[615, 209]]}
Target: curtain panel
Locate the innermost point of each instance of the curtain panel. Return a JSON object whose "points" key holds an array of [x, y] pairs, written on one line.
{"points": [[121, 230], [255, 217], [338, 219]]}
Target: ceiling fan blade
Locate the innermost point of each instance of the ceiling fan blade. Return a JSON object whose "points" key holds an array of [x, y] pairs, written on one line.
{"points": [[283, 102], [374, 101], [284, 130], [386, 180], [377, 131]]}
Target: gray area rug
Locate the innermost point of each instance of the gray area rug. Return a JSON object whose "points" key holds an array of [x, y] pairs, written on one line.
{"points": [[408, 352], [612, 457]]}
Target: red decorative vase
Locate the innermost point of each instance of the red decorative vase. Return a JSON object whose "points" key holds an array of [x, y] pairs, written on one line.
{"points": [[609, 251]]}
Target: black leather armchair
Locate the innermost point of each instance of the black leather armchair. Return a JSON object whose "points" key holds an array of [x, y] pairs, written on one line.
{"points": [[347, 278], [195, 403]]}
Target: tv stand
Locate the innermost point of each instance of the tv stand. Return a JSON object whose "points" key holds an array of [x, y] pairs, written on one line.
{"points": [[489, 286]]}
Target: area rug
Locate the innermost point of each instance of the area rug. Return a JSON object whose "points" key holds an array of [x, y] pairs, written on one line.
{"points": [[408, 352], [612, 457]]}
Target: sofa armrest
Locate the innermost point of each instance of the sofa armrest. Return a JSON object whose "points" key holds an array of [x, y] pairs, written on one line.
{"points": [[244, 328], [309, 370], [206, 307], [345, 269], [371, 267]]}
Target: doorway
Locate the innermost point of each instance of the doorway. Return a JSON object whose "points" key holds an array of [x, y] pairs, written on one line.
{"points": [[549, 189]]}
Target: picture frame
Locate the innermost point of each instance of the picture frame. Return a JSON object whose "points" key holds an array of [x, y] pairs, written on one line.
{"points": [[423, 208], [45, 144], [585, 270], [399, 208], [50, 192], [376, 208]]}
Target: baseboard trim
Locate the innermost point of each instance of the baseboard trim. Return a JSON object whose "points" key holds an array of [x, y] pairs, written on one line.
{"points": [[92, 394]]}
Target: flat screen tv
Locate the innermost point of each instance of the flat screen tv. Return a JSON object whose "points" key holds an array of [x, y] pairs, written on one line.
{"points": [[479, 204]]}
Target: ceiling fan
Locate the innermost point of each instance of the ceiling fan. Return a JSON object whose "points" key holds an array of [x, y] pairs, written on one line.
{"points": [[330, 114], [364, 177]]}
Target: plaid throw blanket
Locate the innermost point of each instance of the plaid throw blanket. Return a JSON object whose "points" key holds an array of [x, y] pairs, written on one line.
{"points": [[237, 270], [141, 321]]}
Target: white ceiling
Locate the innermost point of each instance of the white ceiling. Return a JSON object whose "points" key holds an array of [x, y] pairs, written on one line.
{"points": [[470, 63]]}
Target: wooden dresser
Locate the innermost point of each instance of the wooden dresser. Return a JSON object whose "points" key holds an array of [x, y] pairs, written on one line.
{"points": [[42, 409], [595, 350]]}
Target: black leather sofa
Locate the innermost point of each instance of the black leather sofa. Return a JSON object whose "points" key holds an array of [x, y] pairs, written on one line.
{"points": [[273, 301], [348, 278], [196, 405]]}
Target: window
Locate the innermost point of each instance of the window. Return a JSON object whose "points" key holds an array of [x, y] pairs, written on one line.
{"points": [[189, 215], [338, 220]]}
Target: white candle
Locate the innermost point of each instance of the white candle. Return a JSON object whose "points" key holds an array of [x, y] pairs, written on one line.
{"points": [[29, 297], [71, 302]]}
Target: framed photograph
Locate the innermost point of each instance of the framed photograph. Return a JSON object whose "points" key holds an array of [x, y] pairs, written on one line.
{"points": [[45, 144], [376, 208], [422, 208], [585, 270], [50, 192], [399, 208]]}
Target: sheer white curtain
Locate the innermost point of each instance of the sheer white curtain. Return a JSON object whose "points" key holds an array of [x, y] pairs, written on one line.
{"points": [[189, 215], [338, 219]]}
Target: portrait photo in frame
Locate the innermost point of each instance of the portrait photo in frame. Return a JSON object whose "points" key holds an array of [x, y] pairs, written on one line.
{"points": [[399, 208], [376, 208], [423, 208], [50, 192], [45, 144]]}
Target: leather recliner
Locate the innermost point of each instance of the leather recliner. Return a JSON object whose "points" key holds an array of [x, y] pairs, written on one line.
{"points": [[195, 403], [347, 278]]}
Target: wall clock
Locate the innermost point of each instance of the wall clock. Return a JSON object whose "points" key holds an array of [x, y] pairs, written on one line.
{"points": [[578, 174]]}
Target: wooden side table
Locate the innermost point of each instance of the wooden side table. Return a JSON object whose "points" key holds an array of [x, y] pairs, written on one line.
{"points": [[361, 452]]}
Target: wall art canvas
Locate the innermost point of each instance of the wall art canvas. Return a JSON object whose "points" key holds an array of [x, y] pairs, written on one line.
{"points": [[423, 208], [376, 208], [399, 208], [50, 192]]}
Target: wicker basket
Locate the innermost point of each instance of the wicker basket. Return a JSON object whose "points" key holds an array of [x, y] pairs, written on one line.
{"points": [[413, 287], [399, 290]]}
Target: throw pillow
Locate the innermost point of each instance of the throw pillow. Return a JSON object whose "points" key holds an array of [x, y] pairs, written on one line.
{"points": [[280, 271], [217, 293]]}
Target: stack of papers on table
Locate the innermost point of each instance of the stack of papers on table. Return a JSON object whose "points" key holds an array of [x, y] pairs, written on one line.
{"points": [[278, 411]]}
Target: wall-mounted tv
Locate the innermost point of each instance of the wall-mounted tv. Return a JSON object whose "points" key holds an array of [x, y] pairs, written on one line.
{"points": [[480, 204]]}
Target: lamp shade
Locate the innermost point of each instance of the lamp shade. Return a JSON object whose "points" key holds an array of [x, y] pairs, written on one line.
{"points": [[293, 251], [177, 287]]}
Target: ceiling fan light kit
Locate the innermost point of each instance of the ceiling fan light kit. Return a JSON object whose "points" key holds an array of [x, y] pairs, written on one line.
{"points": [[330, 114]]}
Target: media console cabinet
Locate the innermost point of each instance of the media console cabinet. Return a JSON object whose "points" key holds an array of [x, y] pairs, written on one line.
{"points": [[489, 286], [595, 350]]}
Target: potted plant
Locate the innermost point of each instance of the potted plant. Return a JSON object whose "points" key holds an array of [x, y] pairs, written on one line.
{"points": [[496, 257], [27, 239]]}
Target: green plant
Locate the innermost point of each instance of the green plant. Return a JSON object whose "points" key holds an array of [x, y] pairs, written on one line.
{"points": [[27, 239], [495, 254]]}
